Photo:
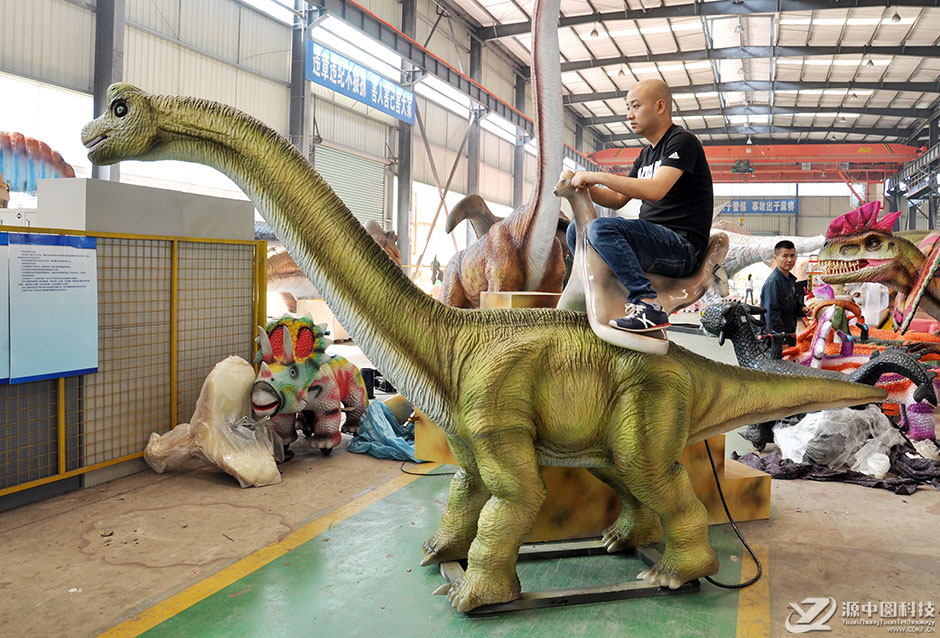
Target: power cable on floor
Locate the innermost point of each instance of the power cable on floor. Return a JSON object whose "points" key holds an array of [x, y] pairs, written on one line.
{"points": [[402, 468], [760, 568]]}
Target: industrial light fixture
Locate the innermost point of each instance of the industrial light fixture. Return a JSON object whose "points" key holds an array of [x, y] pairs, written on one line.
{"points": [[870, 62], [854, 96], [896, 17], [741, 70], [621, 73], [749, 141], [842, 119], [738, 28], [594, 32]]}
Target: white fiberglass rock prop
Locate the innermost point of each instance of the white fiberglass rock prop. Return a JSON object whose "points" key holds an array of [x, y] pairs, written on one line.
{"points": [[220, 432]]}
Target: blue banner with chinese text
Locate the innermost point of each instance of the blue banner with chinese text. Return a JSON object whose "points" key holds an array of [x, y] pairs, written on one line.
{"points": [[781, 206], [333, 71]]}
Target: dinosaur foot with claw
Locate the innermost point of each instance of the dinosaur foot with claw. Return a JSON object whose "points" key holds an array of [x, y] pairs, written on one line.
{"points": [[672, 572], [627, 533], [442, 549], [475, 589], [325, 442]]}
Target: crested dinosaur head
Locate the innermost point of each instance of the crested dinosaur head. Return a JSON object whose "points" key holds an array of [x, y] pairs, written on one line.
{"points": [[860, 247], [291, 352], [720, 318], [126, 130]]}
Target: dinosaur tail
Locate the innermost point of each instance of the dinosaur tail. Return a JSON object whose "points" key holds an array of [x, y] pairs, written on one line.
{"points": [[25, 160], [730, 397], [899, 361]]}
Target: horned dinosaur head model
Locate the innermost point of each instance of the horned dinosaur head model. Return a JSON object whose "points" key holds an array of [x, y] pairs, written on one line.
{"points": [[511, 389], [290, 352]]}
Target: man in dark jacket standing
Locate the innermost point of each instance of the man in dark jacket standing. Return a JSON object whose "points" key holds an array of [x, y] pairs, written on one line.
{"points": [[780, 295]]}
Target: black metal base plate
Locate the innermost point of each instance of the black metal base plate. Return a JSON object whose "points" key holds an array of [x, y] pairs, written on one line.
{"points": [[558, 597]]}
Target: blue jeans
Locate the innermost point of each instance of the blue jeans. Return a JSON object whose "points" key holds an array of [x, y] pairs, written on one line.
{"points": [[633, 246]]}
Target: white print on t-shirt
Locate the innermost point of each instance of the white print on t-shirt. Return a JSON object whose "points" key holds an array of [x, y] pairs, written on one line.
{"points": [[673, 155], [646, 172]]}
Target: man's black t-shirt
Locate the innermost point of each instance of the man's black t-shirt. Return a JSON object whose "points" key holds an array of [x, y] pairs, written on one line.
{"points": [[689, 205]]}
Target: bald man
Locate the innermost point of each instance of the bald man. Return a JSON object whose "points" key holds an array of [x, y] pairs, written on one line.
{"points": [[672, 178]]}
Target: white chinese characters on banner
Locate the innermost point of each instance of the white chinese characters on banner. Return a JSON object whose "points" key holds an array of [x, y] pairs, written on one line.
{"points": [[328, 68]]}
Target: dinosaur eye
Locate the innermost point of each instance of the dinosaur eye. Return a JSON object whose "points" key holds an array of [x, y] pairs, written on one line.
{"points": [[292, 372], [120, 109], [873, 243]]}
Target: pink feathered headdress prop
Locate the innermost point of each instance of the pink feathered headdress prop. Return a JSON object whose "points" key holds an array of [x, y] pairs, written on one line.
{"points": [[861, 219]]}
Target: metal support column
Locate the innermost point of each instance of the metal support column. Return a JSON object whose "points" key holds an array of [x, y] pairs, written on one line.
{"points": [[299, 89], [518, 155], [932, 199], [109, 66], [403, 208], [473, 135]]}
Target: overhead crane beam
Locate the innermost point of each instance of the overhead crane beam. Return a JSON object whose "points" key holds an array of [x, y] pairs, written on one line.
{"points": [[749, 52], [765, 85], [697, 9]]}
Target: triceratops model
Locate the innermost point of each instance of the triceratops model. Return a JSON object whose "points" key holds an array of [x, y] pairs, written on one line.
{"points": [[298, 385]]}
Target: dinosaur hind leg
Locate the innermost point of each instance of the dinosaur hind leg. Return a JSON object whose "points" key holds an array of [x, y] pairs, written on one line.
{"points": [[636, 525], [645, 456], [668, 492]]}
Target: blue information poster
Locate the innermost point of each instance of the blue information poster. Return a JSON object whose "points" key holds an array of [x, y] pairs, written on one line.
{"points": [[53, 306]]}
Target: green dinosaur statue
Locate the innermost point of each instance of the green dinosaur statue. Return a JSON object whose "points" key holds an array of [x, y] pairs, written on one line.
{"points": [[859, 247], [511, 389]]}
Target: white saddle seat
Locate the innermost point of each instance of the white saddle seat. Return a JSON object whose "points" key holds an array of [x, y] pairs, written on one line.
{"points": [[604, 298]]}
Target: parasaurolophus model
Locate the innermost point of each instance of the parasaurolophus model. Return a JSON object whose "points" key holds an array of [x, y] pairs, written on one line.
{"points": [[521, 251], [511, 389]]}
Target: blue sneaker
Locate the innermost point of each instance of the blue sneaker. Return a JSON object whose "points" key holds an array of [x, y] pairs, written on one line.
{"points": [[642, 317]]}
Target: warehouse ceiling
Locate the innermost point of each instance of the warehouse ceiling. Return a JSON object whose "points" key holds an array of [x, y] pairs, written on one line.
{"points": [[768, 71]]}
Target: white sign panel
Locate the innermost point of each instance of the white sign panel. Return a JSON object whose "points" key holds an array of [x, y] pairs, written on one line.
{"points": [[4, 309], [53, 306]]}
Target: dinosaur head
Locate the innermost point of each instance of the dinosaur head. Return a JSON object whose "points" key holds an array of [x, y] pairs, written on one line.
{"points": [[126, 130], [860, 247], [291, 352], [719, 318]]}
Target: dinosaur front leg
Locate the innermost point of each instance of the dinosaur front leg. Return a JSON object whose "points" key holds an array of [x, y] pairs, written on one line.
{"points": [[355, 402], [509, 469], [458, 525], [636, 525]]}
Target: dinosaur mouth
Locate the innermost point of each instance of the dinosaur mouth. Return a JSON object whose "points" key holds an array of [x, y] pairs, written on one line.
{"points": [[840, 267], [868, 268], [93, 143], [264, 400]]}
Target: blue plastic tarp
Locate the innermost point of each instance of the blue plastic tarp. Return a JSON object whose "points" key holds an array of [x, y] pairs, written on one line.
{"points": [[381, 436]]}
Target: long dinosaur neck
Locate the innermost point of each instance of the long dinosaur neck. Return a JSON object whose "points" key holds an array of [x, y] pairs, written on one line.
{"points": [[541, 220], [746, 349], [403, 331]]}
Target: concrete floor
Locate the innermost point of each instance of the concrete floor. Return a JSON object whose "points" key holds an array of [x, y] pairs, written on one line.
{"points": [[82, 563]]}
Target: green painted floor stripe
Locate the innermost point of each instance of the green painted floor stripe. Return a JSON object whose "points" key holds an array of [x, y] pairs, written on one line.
{"points": [[361, 578]]}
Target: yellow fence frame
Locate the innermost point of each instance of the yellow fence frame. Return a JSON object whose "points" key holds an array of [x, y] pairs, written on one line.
{"points": [[260, 316]]}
